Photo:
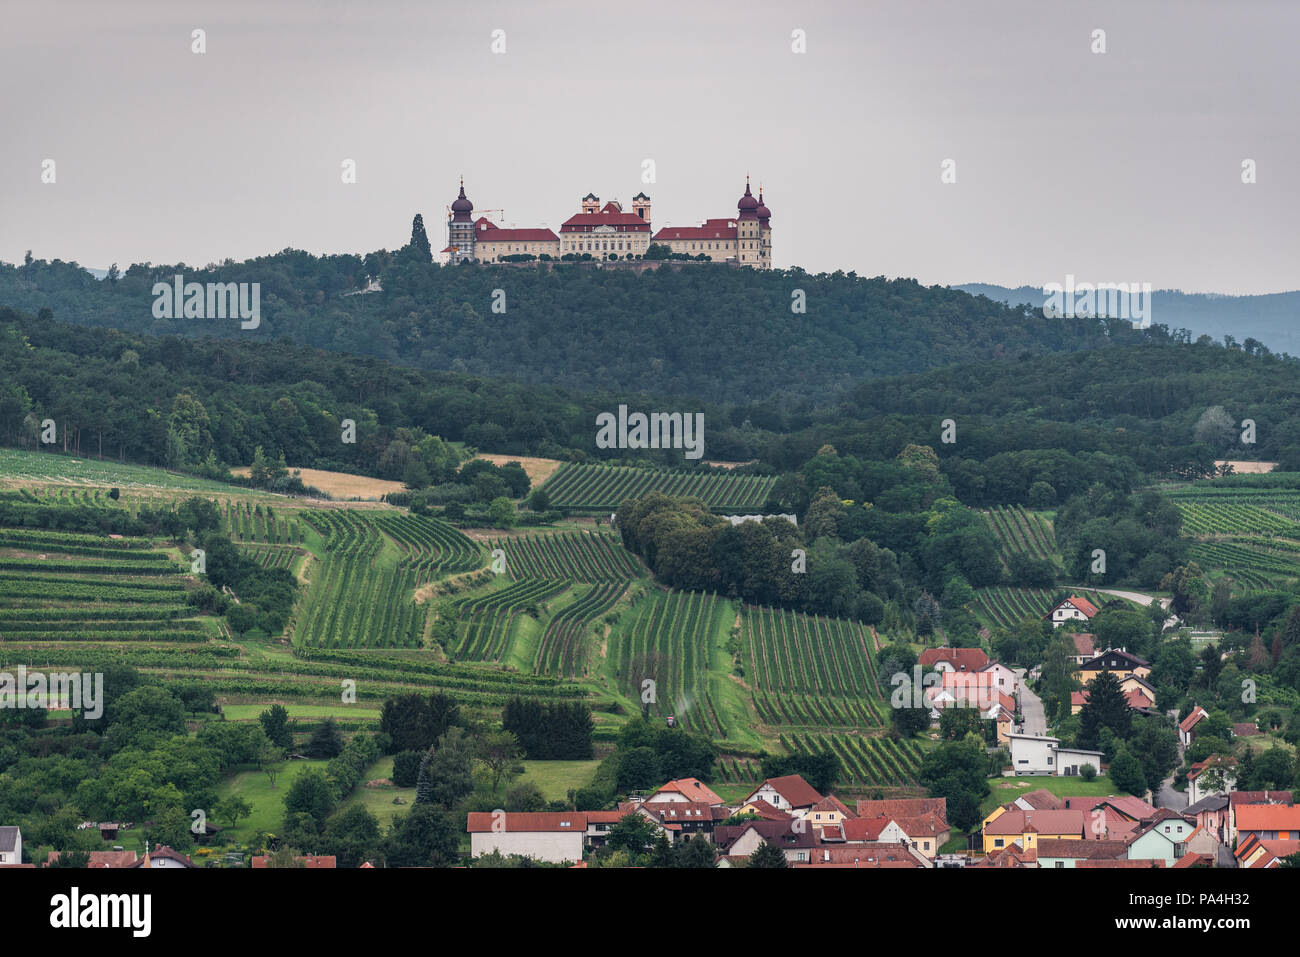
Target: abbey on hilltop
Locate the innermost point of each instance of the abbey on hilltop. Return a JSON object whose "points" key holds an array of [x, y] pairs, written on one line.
{"points": [[607, 232]]}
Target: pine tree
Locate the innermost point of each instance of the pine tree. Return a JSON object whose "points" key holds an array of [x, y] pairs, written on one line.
{"points": [[768, 855], [420, 240]]}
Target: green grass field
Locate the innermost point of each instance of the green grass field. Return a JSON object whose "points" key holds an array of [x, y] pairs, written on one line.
{"points": [[268, 803]]}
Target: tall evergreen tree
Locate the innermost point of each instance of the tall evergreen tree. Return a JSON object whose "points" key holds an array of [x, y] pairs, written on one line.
{"points": [[1106, 708], [420, 240]]}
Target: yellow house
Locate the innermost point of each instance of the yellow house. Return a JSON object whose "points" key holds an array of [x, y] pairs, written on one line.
{"points": [[1118, 663], [828, 812], [1026, 828]]}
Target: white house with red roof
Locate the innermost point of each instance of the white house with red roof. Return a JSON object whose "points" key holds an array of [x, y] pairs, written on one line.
{"points": [[953, 659], [1187, 727], [1073, 608], [685, 790], [789, 793], [545, 835]]}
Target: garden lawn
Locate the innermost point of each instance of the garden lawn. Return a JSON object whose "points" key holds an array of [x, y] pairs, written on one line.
{"points": [[249, 712], [1006, 790], [554, 778], [268, 804]]}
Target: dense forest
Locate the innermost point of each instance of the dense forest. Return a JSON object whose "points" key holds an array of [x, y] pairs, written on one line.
{"points": [[704, 331], [1030, 430]]}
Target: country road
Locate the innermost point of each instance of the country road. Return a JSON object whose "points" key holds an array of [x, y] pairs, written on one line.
{"points": [[1031, 708]]}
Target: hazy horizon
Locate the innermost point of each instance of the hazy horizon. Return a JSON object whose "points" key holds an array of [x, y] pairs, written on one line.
{"points": [[1115, 167]]}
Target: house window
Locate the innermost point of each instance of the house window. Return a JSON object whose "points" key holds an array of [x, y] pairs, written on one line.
{"points": [[1060, 864], [997, 842]]}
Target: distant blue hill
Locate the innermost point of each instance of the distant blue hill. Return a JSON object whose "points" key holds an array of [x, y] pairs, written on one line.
{"points": [[1273, 319]]}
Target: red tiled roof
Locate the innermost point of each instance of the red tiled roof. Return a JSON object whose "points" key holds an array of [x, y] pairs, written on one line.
{"points": [[1245, 729], [1083, 643], [1041, 822], [586, 222], [607, 817], [498, 234], [1193, 719], [693, 789], [481, 822], [1011, 856], [767, 811], [1191, 859], [904, 807], [967, 659], [1197, 769], [792, 787], [831, 803], [1042, 800], [1236, 798], [862, 855], [100, 859], [1085, 606], [1133, 808], [1268, 817], [165, 852], [864, 829], [680, 811], [1090, 850], [711, 229]]}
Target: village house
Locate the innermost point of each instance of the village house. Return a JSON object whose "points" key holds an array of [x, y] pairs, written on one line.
{"points": [[11, 846], [1211, 815], [1268, 822], [1118, 663], [1085, 647], [162, 857], [762, 809], [873, 855], [953, 659], [1197, 785], [1040, 754], [1072, 609], [831, 812], [1187, 727], [1256, 853], [1162, 838], [1060, 853], [683, 820], [1138, 693], [1027, 828], [545, 835], [1238, 799], [788, 793], [794, 839], [689, 790]]}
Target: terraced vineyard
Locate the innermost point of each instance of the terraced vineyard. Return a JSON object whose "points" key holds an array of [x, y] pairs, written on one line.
{"points": [[564, 648], [1010, 606], [66, 587], [605, 488], [484, 632], [574, 556], [1019, 530], [1249, 536], [864, 760], [810, 671], [669, 642], [362, 595]]}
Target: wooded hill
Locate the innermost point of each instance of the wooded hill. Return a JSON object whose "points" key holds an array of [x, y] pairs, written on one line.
{"points": [[702, 330]]}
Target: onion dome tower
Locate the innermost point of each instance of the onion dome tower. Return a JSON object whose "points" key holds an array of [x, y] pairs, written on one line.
{"points": [[460, 227]]}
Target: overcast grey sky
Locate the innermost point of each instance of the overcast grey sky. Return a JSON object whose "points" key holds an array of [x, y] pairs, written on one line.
{"points": [[1122, 166]]}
